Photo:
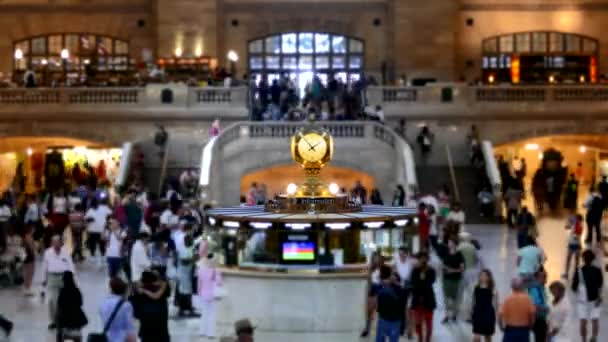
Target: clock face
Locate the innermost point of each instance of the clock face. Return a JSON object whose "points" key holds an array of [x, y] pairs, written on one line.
{"points": [[312, 147]]}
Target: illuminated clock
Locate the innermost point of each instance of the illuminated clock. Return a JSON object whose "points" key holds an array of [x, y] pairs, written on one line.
{"points": [[312, 147]]}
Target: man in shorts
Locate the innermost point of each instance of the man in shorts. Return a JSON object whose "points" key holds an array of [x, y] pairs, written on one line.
{"points": [[587, 285]]}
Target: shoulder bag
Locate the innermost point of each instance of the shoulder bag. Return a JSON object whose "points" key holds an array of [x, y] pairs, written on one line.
{"points": [[101, 337]]}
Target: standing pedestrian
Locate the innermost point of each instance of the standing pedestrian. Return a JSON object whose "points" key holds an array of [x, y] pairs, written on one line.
{"points": [[115, 236], [453, 270], [373, 286], [117, 314], [29, 263], [517, 314], [209, 278], [558, 313], [513, 198], [96, 218], [77, 226], [139, 259], [56, 261], [530, 259], [70, 316], [423, 297], [574, 244], [424, 226], [588, 284], [594, 203], [484, 307], [538, 294], [404, 265], [390, 308], [185, 270], [151, 308]]}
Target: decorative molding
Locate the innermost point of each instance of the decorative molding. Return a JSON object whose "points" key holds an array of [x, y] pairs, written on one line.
{"points": [[292, 7], [17, 9], [542, 7]]}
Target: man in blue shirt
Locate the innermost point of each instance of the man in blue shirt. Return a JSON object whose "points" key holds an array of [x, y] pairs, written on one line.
{"points": [[122, 328], [390, 308], [538, 294]]}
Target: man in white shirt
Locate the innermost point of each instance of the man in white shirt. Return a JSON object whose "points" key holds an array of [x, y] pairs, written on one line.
{"points": [[140, 260], [169, 219], [97, 218], [56, 261], [558, 313], [404, 265]]}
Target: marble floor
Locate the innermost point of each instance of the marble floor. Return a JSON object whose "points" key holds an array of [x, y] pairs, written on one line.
{"points": [[499, 253]]}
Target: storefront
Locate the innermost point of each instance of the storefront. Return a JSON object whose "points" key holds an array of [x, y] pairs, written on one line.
{"points": [[540, 58]]}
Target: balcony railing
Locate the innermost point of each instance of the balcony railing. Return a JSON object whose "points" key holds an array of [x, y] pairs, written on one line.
{"points": [[152, 97]]}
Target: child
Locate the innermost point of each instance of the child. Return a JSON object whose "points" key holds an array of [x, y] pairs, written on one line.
{"points": [[574, 243]]}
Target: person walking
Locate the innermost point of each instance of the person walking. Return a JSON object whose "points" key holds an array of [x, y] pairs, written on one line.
{"points": [[595, 205], [56, 261], [538, 294], [574, 244], [472, 264], [139, 259], [453, 270], [513, 197], [558, 313], [530, 259], [399, 196], [390, 308], [423, 297], [373, 285], [97, 217], [117, 314], [185, 270], [209, 278], [526, 226], [484, 307], [517, 314], [29, 263], [115, 236], [151, 308], [77, 227], [587, 285], [404, 265], [70, 316]]}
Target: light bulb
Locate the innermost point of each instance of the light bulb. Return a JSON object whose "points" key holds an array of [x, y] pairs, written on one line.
{"points": [[334, 188], [292, 189]]}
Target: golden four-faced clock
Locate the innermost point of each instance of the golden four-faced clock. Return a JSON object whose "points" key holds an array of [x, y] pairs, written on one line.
{"points": [[312, 149]]}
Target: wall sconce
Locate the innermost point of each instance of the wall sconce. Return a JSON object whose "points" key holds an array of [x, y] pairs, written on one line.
{"points": [[18, 54], [178, 52], [198, 51], [233, 56], [65, 54]]}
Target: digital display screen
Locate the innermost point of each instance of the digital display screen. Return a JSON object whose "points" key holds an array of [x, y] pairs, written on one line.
{"points": [[299, 251]]}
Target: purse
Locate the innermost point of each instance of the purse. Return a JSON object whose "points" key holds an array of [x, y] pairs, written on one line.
{"points": [[219, 291], [101, 337]]}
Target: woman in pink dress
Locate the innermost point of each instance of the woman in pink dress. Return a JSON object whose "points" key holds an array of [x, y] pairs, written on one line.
{"points": [[208, 278]]}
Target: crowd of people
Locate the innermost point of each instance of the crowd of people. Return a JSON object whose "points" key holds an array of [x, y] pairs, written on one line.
{"points": [[402, 295], [334, 99], [152, 248]]}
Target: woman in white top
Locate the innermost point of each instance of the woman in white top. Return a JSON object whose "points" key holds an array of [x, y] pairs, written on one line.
{"points": [[140, 261], [558, 313], [374, 286], [114, 253]]}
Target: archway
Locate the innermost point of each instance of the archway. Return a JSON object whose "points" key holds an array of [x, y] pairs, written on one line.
{"points": [[23, 159], [277, 178]]}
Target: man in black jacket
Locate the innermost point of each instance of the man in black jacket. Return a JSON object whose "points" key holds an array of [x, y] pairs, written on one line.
{"points": [[588, 283]]}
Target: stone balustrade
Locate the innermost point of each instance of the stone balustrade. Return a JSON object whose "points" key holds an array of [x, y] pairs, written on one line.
{"points": [[431, 101]]}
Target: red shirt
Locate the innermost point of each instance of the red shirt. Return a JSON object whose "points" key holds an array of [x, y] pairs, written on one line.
{"points": [[424, 225]]}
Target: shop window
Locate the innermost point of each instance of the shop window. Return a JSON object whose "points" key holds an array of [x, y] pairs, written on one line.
{"points": [[122, 48], [273, 62], [355, 46], [322, 62], [506, 43], [522, 41], [305, 63], [290, 63], [490, 46], [256, 63], [289, 43], [539, 42], [556, 42], [573, 43], [55, 44], [273, 44], [306, 43], [355, 62], [589, 45], [338, 44], [39, 46], [71, 43], [339, 62], [256, 46], [322, 44]]}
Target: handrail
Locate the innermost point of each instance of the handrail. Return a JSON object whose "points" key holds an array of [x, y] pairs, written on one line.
{"points": [[452, 173], [493, 174]]}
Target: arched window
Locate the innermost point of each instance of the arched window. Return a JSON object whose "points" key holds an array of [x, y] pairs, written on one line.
{"points": [[302, 55], [540, 57], [71, 53]]}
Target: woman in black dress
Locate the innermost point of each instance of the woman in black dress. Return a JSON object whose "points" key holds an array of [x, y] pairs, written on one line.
{"points": [[70, 316], [485, 305], [151, 308]]}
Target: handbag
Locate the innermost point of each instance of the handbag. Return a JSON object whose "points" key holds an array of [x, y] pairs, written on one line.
{"points": [[219, 291], [101, 337]]}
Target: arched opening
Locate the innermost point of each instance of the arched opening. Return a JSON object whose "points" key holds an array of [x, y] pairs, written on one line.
{"points": [[540, 57], [301, 56], [584, 156], [30, 164], [277, 178]]}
